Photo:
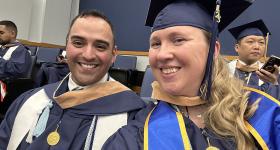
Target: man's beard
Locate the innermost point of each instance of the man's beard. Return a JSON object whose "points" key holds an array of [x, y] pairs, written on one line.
{"points": [[3, 42]]}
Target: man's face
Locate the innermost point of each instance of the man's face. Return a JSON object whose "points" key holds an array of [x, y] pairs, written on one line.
{"points": [[90, 50], [250, 48], [6, 35]]}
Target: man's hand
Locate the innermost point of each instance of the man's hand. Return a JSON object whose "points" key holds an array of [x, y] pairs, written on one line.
{"points": [[269, 77]]}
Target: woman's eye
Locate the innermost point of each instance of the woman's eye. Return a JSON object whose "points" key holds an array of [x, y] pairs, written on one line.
{"points": [[155, 44], [179, 40]]}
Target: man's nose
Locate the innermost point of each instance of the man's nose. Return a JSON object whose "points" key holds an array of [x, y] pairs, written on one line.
{"points": [[89, 52]]}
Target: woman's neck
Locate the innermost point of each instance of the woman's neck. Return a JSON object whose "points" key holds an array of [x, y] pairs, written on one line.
{"points": [[195, 113]]}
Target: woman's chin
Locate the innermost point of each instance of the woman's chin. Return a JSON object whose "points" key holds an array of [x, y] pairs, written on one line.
{"points": [[171, 91]]}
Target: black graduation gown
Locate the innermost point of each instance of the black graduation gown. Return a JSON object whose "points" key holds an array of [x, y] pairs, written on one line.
{"points": [[131, 136], [73, 122]]}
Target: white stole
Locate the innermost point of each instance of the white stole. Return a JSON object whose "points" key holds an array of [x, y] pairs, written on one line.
{"points": [[26, 117], [8, 54], [107, 126], [30, 111]]}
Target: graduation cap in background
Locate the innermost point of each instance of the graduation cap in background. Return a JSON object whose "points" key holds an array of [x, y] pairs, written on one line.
{"points": [[204, 14], [257, 28]]}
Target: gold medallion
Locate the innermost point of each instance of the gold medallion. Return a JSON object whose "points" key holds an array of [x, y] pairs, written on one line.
{"points": [[53, 138], [212, 148]]}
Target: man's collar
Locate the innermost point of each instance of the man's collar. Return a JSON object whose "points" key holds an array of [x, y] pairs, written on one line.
{"points": [[11, 44], [243, 63], [73, 85], [247, 68]]}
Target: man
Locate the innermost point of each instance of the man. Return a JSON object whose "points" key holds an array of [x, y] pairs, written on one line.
{"points": [[14, 57], [15, 61], [82, 110], [251, 46]]}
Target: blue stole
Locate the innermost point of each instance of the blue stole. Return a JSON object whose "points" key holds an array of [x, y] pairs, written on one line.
{"points": [[264, 125], [165, 129]]}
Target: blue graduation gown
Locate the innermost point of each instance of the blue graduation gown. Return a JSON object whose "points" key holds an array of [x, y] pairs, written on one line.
{"points": [[131, 136], [17, 65], [273, 90], [74, 121]]}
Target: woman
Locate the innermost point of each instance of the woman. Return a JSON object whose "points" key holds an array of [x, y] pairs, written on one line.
{"points": [[197, 108]]}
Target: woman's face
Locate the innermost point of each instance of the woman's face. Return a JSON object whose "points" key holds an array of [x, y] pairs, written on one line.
{"points": [[178, 57]]}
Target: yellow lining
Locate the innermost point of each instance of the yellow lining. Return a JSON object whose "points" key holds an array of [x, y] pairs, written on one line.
{"points": [[256, 136], [146, 130], [263, 93], [183, 131]]}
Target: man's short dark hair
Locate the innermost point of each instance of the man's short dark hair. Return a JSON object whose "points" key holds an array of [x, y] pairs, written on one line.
{"points": [[92, 13], [9, 25]]}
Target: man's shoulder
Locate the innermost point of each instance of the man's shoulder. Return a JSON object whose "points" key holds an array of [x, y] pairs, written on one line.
{"points": [[49, 88], [21, 47], [131, 135]]}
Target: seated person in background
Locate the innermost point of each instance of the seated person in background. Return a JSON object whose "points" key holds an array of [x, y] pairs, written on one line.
{"points": [[52, 72], [251, 45], [82, 110], [15, 59], [198, 108], [62, 58]]}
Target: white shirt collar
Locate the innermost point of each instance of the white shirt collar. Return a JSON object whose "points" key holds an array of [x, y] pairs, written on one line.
{"points": [[73, 85]]}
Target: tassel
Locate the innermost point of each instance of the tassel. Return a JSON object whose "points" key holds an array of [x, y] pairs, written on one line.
{"points": [[42, 122]]}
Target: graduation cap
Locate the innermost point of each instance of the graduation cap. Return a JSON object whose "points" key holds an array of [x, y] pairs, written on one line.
{"points": [[257, 28], [198, 13], [204, 14]]}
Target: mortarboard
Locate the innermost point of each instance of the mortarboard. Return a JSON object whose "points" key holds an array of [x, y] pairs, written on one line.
{"points": [[198, 13], [257, 28], [204, 14]]}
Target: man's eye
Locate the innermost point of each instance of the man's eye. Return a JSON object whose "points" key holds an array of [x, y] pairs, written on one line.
{"points": [[77, 43], [262, 42], [250, 42], [101, 46]]}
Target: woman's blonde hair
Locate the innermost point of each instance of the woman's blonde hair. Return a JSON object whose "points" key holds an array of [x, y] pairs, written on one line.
{"points": [[228, 107]]}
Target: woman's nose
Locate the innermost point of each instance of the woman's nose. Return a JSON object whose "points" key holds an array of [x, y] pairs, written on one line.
{"points": [[165, 53]]}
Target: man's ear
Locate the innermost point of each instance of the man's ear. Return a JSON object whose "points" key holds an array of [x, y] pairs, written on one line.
{"points": [[115, 50], [236, 47], [13, 33], [115, 53]]}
